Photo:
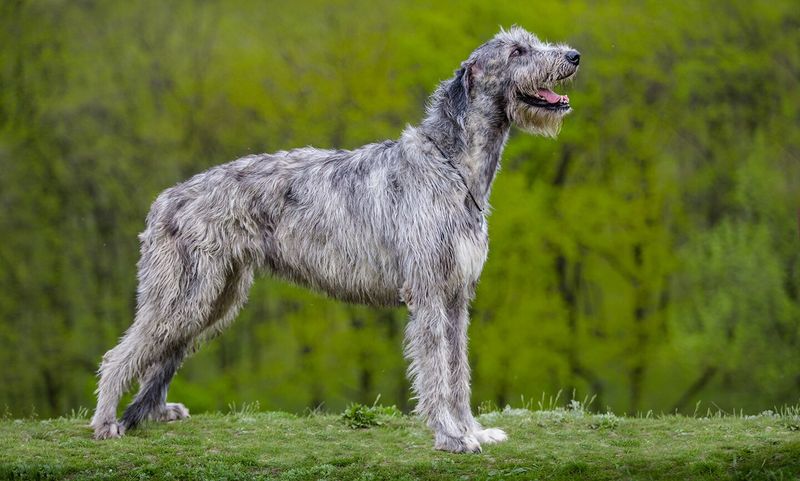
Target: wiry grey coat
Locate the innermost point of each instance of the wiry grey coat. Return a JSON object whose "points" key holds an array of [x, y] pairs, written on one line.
{"points": [[388, 223]]}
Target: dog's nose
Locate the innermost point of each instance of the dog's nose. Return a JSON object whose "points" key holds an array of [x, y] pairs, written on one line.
{"points": [[573, 57]]}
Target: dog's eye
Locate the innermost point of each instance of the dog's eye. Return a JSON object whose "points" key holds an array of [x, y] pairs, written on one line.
{"points": [[518, 51]]}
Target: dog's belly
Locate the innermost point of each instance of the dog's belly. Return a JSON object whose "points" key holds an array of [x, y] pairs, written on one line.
{"points": [[359, 271]]}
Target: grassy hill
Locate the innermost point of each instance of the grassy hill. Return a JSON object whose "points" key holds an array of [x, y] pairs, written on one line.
{"points": [[554, 445]]}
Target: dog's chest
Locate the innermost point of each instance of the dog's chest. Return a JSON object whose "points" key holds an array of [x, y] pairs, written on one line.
{"points": [[470, 252]]}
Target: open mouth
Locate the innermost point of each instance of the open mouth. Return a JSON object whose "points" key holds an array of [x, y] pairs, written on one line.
{"points": [[546, 99]]}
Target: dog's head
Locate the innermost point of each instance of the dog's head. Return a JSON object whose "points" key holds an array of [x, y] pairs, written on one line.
{"points": [[515, 74]]}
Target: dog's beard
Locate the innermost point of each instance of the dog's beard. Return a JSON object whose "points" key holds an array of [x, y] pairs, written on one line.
{"points": [[535, 120]]}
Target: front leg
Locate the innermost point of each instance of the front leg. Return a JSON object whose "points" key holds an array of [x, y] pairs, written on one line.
{"points": [[460, 390], [428, 349]]}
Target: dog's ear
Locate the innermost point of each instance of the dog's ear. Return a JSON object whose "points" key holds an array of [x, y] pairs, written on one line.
{"points": [[461, 86], [459, 92], [471, 69]]}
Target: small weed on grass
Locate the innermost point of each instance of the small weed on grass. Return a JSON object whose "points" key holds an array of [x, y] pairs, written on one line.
{"points": [[359, 416]]}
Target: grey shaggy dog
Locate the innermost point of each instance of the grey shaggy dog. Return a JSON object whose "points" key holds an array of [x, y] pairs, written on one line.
{"points": [[397, 222]]}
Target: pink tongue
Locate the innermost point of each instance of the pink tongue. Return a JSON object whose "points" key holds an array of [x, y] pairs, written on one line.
{"points": [[552, 97]]}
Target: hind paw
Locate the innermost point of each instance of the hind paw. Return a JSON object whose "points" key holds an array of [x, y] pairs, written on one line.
{"points": [[172, 412]]}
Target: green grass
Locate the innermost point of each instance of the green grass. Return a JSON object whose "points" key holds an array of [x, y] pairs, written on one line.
{"points": [[548, 445]]}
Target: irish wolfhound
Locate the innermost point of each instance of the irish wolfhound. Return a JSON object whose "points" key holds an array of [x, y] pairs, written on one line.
{"points": [[398, 222]]}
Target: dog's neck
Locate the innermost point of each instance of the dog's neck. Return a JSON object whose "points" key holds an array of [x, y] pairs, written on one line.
{"points": [[472, 138]]}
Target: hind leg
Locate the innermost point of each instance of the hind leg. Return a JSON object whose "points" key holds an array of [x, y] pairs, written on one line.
{"points": [[156, 382], [151, 401], [118, 368], [178, 290], [138, 355]]}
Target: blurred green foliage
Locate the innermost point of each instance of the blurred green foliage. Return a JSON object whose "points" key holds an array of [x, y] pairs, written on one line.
{"points": [[649, 256]]}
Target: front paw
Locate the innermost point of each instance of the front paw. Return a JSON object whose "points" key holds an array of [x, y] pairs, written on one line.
{"points": [[463, 444], [108, 430], [490, 435]]}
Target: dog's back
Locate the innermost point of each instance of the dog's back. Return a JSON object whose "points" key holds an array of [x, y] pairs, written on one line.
{"points": [[320, 218]]}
